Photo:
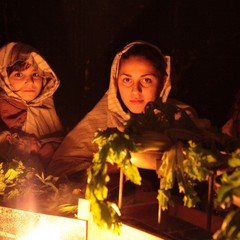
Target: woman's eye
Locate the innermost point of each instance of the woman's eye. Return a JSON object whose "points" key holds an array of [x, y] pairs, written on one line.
{"points": [[146, 81], [126, 80]]}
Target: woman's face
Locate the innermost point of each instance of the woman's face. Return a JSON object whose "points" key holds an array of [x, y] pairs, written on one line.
{"points": [[139, 83], [26, 83]]}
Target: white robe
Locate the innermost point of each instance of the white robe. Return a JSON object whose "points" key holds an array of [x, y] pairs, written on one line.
{"points": [[76, 151]]}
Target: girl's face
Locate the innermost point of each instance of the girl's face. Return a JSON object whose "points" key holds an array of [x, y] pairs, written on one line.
{"points": [[27, 83], [139, 83]]}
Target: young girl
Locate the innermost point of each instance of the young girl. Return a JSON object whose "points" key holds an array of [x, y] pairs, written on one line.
{"points": [[140, 73], [27, 85]]}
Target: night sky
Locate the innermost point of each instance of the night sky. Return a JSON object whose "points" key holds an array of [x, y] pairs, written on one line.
{"points": [[79, 36]]}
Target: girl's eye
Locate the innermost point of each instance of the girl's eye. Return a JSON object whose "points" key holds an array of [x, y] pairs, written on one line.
{"points": [[18, 74], [36, 75]]}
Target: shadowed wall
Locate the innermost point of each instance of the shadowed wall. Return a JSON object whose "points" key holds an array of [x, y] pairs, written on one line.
{"points": [[80, 37]]}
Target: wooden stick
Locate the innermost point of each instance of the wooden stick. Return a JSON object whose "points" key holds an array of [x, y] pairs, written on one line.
{"points": [[159, 213], [120, 191], [159, 209], [210, 201]]}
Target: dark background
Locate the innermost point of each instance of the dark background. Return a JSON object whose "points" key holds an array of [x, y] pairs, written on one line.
{"points": [[82, 36]]}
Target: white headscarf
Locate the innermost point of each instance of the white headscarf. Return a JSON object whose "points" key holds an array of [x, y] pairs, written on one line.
{"points": [[114, 104], [40, 117]]}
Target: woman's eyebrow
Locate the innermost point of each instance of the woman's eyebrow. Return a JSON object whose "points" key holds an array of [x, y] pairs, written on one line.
{"points": [[144, 75], [125, 74], [149, 74]]}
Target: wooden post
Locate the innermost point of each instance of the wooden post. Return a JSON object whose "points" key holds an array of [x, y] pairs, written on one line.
{"points": [[120, 191], [159, 213], [210, 201]]}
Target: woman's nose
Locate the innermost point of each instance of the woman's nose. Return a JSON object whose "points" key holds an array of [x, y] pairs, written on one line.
{"points": [[136, 87]]}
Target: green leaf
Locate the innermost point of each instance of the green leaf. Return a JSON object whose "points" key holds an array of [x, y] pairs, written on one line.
{"points": [[164, 199], [10, 175], [230, 228]]}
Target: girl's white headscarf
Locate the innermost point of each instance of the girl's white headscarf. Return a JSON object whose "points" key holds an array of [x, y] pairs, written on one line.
{"points": [[14, 52]]}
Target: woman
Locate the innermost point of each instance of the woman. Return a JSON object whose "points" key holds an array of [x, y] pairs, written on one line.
{"points": [[140, 73]]}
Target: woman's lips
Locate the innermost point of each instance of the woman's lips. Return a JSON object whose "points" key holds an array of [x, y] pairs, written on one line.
{"points": [[136, 101]]}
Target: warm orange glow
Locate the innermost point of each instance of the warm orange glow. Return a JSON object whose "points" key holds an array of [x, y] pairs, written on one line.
{"points": [[83, 209], [147, 160], [24, 225], [44, 230], [127, 233]]}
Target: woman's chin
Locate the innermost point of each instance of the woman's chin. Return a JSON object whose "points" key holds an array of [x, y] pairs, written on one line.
{"points": [[137, 110]]}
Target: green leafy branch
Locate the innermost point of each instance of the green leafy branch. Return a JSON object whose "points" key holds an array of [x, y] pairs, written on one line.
{"points": [[186, 166], [114, 148], [8, 176], [190, 154], [228, 192], [20, 184]]}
